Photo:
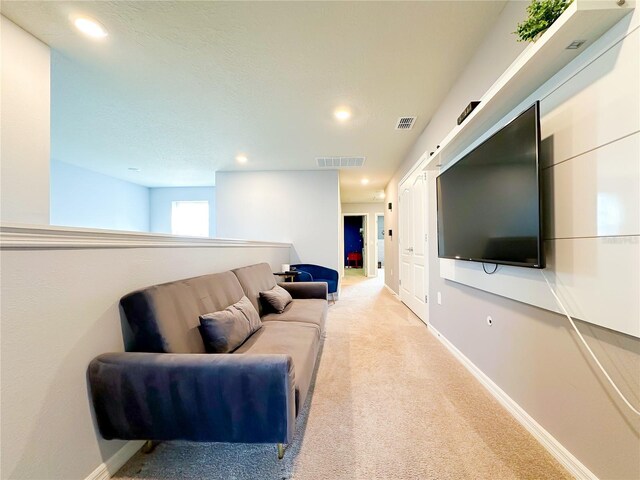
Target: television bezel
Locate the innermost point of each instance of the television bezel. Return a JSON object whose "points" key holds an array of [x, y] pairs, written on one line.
{"points": [[541, 257]]}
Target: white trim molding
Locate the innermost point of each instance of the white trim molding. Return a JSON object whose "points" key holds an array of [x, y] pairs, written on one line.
{"points": [[25, 237], [109, 467], [553, 446]]}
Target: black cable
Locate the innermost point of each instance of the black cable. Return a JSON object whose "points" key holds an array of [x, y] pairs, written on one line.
{"points": [[490, 273]]}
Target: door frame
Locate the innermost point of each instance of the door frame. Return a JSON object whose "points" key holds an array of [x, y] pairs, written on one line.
{"points": [[365, 239]]}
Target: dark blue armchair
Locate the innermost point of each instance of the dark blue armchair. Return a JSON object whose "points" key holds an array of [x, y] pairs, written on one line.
{"points": [[316, 273]]}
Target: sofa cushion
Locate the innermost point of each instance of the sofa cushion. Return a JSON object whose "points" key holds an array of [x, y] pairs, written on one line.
{"points": [[164, 318], [226, 330], [311, 310], [255, 279], [301, 341], [278, 298]]}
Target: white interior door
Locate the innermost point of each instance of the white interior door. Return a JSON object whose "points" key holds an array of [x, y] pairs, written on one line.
{"points": [[414, 275]]}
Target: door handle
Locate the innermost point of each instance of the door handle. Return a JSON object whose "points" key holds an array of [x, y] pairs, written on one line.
{"points": [[410, 249]]}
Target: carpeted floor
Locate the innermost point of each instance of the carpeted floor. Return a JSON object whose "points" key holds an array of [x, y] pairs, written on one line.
{"points": [[389, 402], [354, 272]]}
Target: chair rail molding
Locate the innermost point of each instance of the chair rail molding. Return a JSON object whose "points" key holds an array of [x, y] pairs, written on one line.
{"points": [[26, 237]]}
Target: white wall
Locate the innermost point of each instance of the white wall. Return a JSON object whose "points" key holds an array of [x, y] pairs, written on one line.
{"points": [[373, 209], [589, 117], [24, 129], [298, 207], [160, 200], [59, 310], [82, 198]]}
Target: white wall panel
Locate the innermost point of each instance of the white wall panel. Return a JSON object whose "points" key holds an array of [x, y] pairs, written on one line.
{"points": [[598, 105], [595, 194], [597, 279]]}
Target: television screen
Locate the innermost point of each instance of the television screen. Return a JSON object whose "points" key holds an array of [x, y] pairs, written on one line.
{"points": [[489, 201]]}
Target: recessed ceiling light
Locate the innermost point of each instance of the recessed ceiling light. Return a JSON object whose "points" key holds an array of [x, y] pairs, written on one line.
{"points": [[242, 159], [90, 27], [364, 181], [342, 114]]}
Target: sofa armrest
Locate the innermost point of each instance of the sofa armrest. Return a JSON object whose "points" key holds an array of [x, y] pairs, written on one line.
{"points": [[197, 397], [304, 290]]}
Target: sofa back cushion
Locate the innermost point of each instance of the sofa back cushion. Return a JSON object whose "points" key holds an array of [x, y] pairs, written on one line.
{"points": [[165, 318], [255, 279]]}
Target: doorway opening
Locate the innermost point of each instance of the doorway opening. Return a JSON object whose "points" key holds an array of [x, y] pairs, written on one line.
{"points": [[355, 242], [380, 244]]}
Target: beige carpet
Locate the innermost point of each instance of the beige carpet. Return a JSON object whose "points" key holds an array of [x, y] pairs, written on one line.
{"points": [[389, 402]]}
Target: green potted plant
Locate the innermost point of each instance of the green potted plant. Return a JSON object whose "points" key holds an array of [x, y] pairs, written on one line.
{"points": [[541, 15]]}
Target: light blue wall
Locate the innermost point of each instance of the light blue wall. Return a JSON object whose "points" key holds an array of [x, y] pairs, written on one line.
{"points": [[82, 198], [160, 200]]}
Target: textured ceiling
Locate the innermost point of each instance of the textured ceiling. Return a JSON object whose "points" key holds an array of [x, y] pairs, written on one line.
{"points": [[178, 89]]}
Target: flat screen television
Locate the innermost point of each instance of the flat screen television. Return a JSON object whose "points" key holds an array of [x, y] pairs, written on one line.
{"points": [[489, 202]]}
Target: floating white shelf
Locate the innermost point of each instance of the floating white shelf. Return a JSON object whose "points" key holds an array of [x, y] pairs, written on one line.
{"points": [[584, 20]]}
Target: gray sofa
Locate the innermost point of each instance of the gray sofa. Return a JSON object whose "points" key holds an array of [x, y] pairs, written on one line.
{"points": [[167, 388]]}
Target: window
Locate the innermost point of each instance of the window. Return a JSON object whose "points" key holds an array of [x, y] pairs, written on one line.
{"points": [[190, 218]]}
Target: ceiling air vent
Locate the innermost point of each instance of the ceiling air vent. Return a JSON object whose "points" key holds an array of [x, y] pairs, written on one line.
{"points": [[405, 123], [340, 162]]}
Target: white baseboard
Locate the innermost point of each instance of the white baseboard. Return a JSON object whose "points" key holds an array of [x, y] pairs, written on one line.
{"points": [[566, 459], [109, 468]]}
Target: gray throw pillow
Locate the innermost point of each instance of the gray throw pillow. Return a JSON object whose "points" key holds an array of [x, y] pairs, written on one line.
{"points": [[277, 297], [226, 330]]}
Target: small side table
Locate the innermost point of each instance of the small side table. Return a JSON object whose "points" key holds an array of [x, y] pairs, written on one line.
{"points": [[287, 276]]}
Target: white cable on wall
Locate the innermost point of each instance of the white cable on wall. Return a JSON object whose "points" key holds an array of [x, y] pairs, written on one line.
{"points": [[586, 345]]}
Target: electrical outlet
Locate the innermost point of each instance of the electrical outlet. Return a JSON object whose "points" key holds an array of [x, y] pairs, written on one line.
{"points": [[489, 320], [439, 299]]}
